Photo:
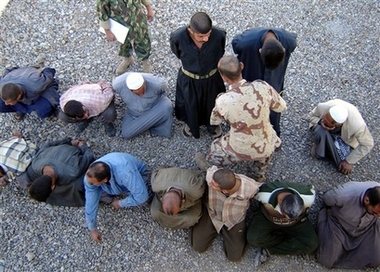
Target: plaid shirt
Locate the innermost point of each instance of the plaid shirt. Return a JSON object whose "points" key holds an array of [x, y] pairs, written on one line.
{"points": [[16, 154], [96, 97], [228, 211]]}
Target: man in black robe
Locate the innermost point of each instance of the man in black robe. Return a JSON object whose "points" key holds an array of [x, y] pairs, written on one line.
{"points": [[199, 46]]}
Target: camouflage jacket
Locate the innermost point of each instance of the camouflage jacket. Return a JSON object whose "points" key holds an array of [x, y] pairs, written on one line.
{"points": [[246, 107], [122, 11]]}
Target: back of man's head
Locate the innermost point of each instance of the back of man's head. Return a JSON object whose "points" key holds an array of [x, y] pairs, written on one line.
{"points": [[200, 22], [99, 171], [74, 109], [10, 91], [171, 203], [225, 178], [229, 66], [373, 195], [272, 53], [292, 205], [41, 189]]}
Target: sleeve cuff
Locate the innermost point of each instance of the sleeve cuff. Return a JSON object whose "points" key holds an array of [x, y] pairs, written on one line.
{"points": [[146, 2], [91, 226], [105, 24]]}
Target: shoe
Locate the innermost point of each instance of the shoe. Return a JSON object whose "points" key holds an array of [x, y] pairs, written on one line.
{"points": [[261, 256], [110, 129], [201, 161], [146, 66], [19, 116], [82, 126], [264, 256], [186, 131], [124, 65]]}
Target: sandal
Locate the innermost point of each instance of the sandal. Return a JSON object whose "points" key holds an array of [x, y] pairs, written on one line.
{"points": [[19, 116]]}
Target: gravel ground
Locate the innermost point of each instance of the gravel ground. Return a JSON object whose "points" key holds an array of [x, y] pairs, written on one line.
{"points": [[337, 57]]}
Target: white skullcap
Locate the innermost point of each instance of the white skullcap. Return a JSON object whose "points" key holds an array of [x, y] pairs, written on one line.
{"points": [[339, 114], [134, 81]]}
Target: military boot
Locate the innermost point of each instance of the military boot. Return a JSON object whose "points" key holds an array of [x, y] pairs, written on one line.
{"points": [[123, 66], [146, 66]]}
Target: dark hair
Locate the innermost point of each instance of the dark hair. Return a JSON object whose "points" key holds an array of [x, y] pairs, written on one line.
{"points": [[10, 91], [200, 22], [99, 170], [225, 178], [40, 189], [74, 109], [292, 205], [373, 195], [272, 53], [229, 66]]}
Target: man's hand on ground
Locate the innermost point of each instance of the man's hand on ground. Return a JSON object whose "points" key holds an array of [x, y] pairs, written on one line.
{"points": [[81, 142], [96, 236], [116, 204], [345, 168], [75, 142]]}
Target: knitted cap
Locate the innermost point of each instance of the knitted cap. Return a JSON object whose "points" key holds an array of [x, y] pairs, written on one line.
{"points": [[339, 114], [134, 81]]}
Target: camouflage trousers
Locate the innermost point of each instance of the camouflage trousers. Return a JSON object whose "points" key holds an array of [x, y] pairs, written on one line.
{"points": [[221, 154], [138, 35]]}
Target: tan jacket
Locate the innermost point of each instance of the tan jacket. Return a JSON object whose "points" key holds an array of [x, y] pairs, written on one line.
{"points": [[192, 183], [354, 131]]}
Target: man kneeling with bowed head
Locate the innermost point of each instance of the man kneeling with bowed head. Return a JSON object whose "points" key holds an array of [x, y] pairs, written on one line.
{"points": [[116, 174]]}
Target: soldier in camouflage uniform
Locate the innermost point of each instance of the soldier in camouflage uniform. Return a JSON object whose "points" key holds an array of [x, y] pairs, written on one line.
{"points": [[129, 13], [245, 107]]}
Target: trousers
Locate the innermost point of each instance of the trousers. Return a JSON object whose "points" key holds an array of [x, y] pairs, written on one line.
{"points": [[204, 233], [299, 238], [158, 120]]}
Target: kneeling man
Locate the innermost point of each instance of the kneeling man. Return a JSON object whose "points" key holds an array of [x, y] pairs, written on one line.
{"points": [[340, 134], [27, 89], [57, 171], [349, 226], [224, 213], [148, 107], [281, 225], [178, 194], [116, 174]]}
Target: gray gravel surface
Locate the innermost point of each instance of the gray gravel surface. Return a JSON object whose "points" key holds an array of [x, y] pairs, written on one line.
{"points": [[337, 57]]}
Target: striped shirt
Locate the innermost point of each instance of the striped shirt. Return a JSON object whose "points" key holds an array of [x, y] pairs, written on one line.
{"points": [[96, 97], [230, 210]]}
